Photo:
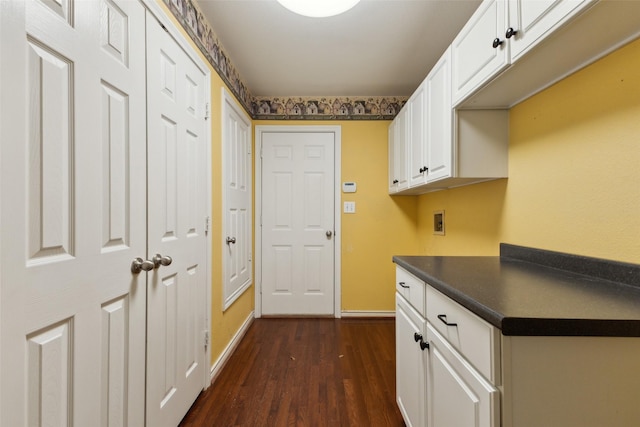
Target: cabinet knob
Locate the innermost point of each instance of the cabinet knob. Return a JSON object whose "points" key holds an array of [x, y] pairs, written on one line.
{"points": [[423, 169], [424, 345], [404, 285], [510, 33], [497, 42], [417, 336], [395, 181]]}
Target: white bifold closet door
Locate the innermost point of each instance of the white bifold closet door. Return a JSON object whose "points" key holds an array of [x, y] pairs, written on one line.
{"points": [[73, 213]]}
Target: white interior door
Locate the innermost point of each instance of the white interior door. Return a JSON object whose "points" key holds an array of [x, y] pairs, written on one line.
{"points": [[237, 199], [177, 194], [298, 187], [73, 212]]}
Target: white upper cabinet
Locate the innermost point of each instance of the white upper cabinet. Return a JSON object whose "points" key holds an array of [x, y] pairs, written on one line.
{"points": [[540, 43], [501, 32], [479, 51], [447, 148]]}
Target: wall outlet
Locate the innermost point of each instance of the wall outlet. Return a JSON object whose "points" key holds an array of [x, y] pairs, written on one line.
{"points": [[438, 223]]}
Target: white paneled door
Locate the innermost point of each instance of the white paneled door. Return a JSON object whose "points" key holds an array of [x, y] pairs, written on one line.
{"points": [[237, 200], [73, 212], [298, 187], [177, 194]]}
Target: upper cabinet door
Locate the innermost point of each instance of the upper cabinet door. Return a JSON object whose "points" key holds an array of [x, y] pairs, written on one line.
{"points": [[439, 120], [479, 52], [530, 21], [417, 144], [400, 153]]}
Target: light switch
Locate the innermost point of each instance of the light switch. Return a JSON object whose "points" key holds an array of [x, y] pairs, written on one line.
{"points": [[349, 207]]}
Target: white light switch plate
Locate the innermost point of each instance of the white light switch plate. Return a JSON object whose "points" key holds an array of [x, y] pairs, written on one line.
{"points": [[349, 207]]}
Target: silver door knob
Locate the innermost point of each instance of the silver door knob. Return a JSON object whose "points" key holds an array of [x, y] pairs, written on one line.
{"points": [[231, 240], [329, 234], [159, 260], [139, 264]]}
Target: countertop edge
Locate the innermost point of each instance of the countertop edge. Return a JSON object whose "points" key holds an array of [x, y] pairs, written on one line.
{"points": [[518, 326]]}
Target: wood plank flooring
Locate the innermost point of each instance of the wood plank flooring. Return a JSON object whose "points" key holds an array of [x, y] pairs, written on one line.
{"points": [[305, 372]]}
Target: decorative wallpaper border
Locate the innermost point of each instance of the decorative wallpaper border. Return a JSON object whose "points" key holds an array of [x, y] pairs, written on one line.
{"points": [[327, 108], [277, 108]]}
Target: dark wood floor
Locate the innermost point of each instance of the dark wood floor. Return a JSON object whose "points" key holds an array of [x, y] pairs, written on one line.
{"points": [[305, 372]]}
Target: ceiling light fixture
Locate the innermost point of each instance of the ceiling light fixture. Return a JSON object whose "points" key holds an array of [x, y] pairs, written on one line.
{"points": [[318, 8]]}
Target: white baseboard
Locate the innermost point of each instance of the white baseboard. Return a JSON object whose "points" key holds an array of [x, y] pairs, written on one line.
{"points": [[360, 313], [217, 366]]}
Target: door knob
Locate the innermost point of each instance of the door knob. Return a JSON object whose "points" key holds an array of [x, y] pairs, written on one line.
{"points": [[231, 240], [329, 234], [159, 260], [138, 265]]}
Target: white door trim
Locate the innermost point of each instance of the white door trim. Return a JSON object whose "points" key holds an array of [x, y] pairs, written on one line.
{"points": [[337, 130], [159, 13]]}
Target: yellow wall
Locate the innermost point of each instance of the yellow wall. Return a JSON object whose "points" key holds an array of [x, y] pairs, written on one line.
{"points": [[574, 173], [381, 227]]}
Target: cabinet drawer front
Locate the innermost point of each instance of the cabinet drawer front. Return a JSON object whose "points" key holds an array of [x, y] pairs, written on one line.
{"points": [[475, 339], [411, 288]]}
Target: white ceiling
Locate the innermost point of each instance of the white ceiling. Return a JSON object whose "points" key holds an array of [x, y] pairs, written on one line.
{"points": [[378, 48]]}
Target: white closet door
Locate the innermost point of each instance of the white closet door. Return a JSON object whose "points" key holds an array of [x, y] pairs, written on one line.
{"points": [[73, 212], [176, 294]]}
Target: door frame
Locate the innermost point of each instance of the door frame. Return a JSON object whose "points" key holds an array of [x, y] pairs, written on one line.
{"points": [[162, 14], [337, 240]]}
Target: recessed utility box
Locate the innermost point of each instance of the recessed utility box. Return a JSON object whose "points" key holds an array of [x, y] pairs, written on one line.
{"points": [[438, 222]]}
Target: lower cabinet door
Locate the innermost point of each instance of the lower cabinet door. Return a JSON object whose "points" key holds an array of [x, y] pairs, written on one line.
{"points": [[410, 364], [458, 396]]}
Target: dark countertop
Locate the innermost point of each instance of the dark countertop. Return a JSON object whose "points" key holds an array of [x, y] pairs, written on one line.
{"points": [[527, 298]]}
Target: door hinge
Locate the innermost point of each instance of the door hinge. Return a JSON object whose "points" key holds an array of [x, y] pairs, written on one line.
{"points": [[206, 340], [206, 111], [206, 225]]}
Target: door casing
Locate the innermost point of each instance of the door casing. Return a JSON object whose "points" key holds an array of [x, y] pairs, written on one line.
{"points": [[337, 131]]}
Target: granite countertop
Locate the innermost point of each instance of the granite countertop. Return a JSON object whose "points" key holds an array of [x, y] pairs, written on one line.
{"points": [[533, 292]]}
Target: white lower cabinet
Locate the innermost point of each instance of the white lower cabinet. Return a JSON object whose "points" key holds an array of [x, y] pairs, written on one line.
{"points": [[439, 380], [457, 395], [454, 369], [410, 367]]}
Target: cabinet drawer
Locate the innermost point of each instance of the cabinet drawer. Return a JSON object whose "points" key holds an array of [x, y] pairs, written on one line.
{"points": [[411, 288], [475, 339]]}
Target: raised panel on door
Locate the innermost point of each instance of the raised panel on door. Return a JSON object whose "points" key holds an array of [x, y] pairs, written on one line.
{"points": [[439, 132], [237, 200], [417, 143], [474, 59], [297, 223], [73, 212], [458, 396], [400, 153], [176, 291]]}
